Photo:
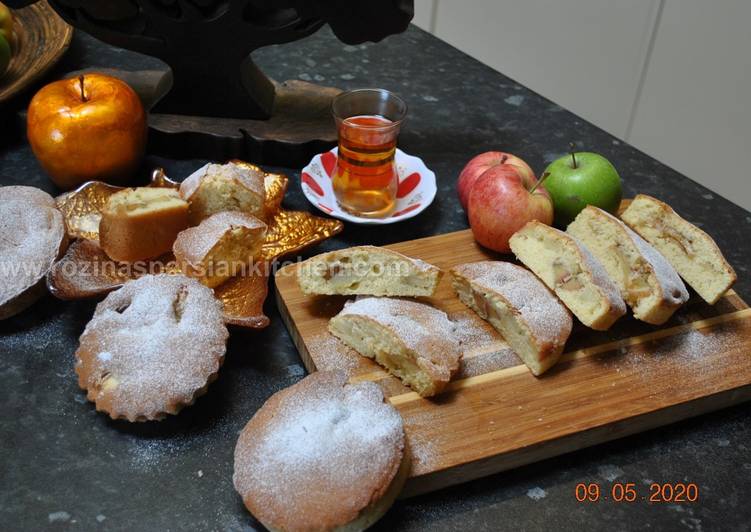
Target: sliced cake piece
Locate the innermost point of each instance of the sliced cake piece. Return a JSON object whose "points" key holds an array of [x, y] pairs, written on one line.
{"points": [[648, 283], [567, 267], [520, 307], [219, 247], [216, 188], [691, 251], [412, 340], [141, 223], [367, 270]]}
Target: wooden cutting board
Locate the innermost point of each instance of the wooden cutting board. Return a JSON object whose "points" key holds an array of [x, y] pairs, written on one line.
{"points": [[496, 415]]}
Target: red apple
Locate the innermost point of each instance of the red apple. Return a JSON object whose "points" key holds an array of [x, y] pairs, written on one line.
{"points": [[480, 164], [500, 203]]}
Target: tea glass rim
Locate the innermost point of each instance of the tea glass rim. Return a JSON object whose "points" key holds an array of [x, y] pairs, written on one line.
{"points": [[388, 93]]}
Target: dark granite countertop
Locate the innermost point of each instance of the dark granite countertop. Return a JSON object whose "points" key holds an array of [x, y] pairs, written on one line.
{"points": [[64, 466]]}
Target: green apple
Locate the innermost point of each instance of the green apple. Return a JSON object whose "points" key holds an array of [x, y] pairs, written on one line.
{"points": [[6, 23], [4, 55], [580, 179]]}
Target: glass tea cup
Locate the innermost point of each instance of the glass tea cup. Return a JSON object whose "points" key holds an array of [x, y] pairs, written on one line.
{"points": [[365, 179]]}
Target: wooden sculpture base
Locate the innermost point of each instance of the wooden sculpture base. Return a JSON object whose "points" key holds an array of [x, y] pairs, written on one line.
{"points": [[301, 124]]}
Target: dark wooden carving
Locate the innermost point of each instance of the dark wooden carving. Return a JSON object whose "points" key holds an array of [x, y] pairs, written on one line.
{"points": [[207, 44]]}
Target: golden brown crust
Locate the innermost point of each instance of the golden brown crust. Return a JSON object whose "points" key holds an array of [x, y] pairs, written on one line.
{"points": [[318, 454], [425, 334], [667, 210], [607, 291], [548, 321], [129, 237], [232, 176], [669, 292], [193, 245], [367, 270], [151, 348]]}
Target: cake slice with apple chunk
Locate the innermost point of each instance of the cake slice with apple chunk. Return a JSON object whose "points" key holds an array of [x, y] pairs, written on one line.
{"points": [[568, 268], [648, 283], [519, 306], [691, 251]]}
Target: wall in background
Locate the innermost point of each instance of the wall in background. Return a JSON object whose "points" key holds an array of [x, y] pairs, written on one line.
{"points": [[672, 77]]}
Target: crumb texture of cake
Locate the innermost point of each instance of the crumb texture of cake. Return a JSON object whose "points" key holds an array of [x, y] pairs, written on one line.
{"points": [[647, 281], [141, 223], [519, 306], [221, 246], [32, 237], [215, 188], [568, 268], [152, 347], [322, 455], [691, 251], [367, 270], [413, 341]]}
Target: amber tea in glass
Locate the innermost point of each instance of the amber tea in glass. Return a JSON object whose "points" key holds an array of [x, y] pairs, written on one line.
{"points": [[365, 179]]}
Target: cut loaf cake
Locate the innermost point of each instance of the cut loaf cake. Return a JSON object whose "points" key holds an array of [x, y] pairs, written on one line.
{"points": [[691, 251], [567, 267], [648, 283], [520, 307], [413, 341], [367, 270]]}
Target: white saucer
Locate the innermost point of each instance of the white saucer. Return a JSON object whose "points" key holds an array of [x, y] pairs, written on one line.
{"points": [[417, 188]]}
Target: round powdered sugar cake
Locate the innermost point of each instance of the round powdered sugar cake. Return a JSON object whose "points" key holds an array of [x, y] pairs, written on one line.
{"points": [[32, 236], [152, 347], [320, 455]]}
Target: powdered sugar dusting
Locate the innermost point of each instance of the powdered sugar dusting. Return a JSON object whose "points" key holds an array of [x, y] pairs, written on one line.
{"points": [[475, 335], [688, 350], [194, 243], [672, 286], [317, 452], [249, 178], [546, 317], [673, 289], [330, 353], [31, 231], [151, 345], [599, 275], [422, 441], [424, 329], [484, 350]]}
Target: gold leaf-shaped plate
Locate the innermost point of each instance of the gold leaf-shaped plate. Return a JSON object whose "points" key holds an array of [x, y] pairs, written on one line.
{"points": [[86, 271]]}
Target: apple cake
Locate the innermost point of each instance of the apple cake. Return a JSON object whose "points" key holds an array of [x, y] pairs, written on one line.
{"points": [[32, 238], [322, 455], [567, 267], [152, 347], [367, 270], [691, 251], [519, 306], [221, 246], [141, 223], [216, 188], [648, 283], [413, 341]]}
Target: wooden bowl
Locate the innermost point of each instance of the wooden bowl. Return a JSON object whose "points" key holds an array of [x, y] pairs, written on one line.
{"points": [[41, 39]]}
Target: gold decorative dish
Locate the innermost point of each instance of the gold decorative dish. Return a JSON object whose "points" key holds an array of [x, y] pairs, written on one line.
{"points": [[85, 271]]}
